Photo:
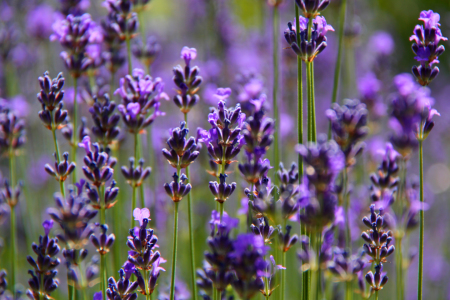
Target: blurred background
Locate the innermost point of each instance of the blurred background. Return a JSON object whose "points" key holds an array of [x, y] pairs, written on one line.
{"points": [[233, 39]]}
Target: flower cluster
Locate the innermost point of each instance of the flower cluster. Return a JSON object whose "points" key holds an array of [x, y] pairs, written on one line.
{"points": [[135, 175], [148, 51], [224, 138], [411, 114], [12, 131], [182, 151], [426, 39], [312, 41], [349, 127], [377, 247], [188, 81], [105, 121], [312, 7], [122, 21], [51, 95], [75, 33], [43, 279], [141, 97]]}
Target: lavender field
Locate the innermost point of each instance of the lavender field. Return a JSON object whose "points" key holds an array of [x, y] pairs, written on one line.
{"points": [[224, 149]]}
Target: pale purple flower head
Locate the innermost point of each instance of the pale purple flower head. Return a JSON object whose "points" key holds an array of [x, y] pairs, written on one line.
{"points": [[222, 94], [40, 20], [382, 43], [249, 241], [225, 226], [47, 224], [369, 86], [98, 296], [188, 54], [141, 214], [322, 26], [86, 144], [430, 19]]}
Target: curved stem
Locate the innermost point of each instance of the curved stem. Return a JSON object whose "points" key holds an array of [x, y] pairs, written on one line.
{"points": [[276, 117], [75, 128], [337, 68], [174, 255], [191, 229], [421, 222]]}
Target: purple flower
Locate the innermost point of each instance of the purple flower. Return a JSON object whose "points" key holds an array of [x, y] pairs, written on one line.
{"points": [[86, 144], [129, 269], [141, 214], [308, 47], [47, 224], [222, 94], [228, 223], [188, 54], [426, 47], [98, 296], [312, 7], [249, 242], [40, 20], [382, 43]]}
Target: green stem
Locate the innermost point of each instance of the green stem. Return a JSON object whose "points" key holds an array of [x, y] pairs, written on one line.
{"points": [[71, 289], [313, 105], [308, 85], [133, 205], [75, 128], [102, 275], [12, 170], [337, 68], [421, 222], [249, 212], [128, 42], [399, 266], [299, 95], [276, 116], [191, 228], [376, 295], [348, 242], [147, 292], [319, 270], [174, 255], [117, 228], [283, 272], [58, 159], [348, 290]]}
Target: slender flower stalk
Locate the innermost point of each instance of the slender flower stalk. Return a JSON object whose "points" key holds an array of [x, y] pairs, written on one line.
{"points": [[275, 104], [337, 68]]}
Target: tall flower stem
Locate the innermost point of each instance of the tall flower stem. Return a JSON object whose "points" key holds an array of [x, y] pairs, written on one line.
{"points": [[309, 87], [191, 228], [348, 243], [299, 94], [103, 280], [313, 104], [174, 255], [337, 68], [147, 292], [12, 170], [74, 133], [249, 212], [276, 116], [399, 267], [117, 227], [421, 216], [283, 263], [128, 42], [133, 205], [58, 157]]}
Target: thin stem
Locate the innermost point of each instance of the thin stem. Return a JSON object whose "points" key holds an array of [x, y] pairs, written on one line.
{"points": [[102, 273], [58, 158], [399, 267], [276, 116], [75, 128], [174, 255], [128, 42], [147, 292], [111, 84], [348, 290], [117, 227], [309, 87], [376, 295], [191, 228], [12, 170], [337, 68], [283, 263], [133, 205], [249, 212], [421, 216], [101, 192], [299, 95], [313, 105], [348, 242]]}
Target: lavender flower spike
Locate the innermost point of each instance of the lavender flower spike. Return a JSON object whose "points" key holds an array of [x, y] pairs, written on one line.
{"points": [[426, 47]]}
